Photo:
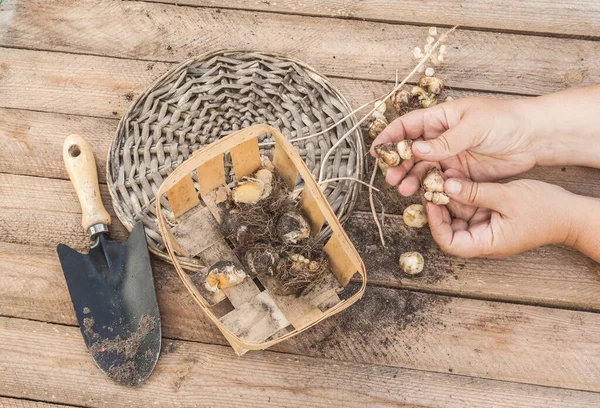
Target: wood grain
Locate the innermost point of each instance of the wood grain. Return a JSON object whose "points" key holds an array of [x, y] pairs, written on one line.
{"points": [[195, 374], [550, 276], [391, 327], [554, 17], [105, 87], [24, 403], [344, 48]]}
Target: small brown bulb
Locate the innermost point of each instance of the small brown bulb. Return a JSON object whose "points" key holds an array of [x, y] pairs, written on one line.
{"points": [[414, 216], [393, 154], [248, 193], [433, 181], [412, 263], [224, 274], [388, 152], [262, 261], [401, 99], [377, 127], [383, 166], [292, 227], [432, 84]]}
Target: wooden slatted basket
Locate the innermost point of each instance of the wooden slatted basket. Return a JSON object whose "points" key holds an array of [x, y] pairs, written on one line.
{"points": [[251, 315]]}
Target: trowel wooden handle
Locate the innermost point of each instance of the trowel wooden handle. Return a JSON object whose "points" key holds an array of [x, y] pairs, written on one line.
{"points": [[81, 166]]}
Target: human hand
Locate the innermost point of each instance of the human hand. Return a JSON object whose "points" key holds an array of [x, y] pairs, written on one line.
{"points": [[497, 220], [485, 139]]}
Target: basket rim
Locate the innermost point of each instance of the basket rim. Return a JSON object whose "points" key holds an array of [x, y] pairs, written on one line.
{"points": [[192, 163], [314, 74]]}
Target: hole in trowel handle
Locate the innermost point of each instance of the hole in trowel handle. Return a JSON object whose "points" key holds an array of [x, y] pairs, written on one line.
{"points": [[74, 151]]}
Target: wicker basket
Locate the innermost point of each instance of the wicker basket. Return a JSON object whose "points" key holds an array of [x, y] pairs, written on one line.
{"points": [[209, 97], [255, 316]]}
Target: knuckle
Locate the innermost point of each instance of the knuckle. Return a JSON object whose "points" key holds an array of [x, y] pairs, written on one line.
{"points": [[473, 193], [444, 143]]}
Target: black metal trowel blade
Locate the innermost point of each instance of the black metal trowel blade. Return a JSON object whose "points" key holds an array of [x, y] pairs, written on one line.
{"points": [[113, 294]]}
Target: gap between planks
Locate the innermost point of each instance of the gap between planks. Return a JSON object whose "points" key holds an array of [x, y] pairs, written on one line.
{"points": [[383, 17], [388, 46], [185, 367]]}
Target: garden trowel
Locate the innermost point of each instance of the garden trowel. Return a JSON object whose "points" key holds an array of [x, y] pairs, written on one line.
{"points": [[111, 287]]}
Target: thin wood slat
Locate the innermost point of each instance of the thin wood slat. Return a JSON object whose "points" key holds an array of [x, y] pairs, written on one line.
{"points": [[183, 196], [200, 374], [211, 174], [482, 60], [547, 17], [476, 338]]}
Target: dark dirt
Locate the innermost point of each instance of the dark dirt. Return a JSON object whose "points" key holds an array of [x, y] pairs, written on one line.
{"points": [[124, 373], [375, 323], [127, 346], [382, 263]]}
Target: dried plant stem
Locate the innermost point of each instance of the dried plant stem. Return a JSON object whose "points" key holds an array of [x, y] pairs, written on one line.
{"points": [[372, 203], [382, 101], [298, 190]]}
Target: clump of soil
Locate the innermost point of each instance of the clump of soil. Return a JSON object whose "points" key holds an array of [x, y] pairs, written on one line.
{"points": [[128, 346]]}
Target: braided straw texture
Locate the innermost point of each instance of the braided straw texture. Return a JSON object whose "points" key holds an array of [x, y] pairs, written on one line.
{"points": [[208, 97]]}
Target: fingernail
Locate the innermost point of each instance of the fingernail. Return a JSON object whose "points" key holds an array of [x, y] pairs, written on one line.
{"points": [[422, 147], [453, 187]]}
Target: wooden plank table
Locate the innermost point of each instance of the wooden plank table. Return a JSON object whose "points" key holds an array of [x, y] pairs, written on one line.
{"points": [[523, 331]]}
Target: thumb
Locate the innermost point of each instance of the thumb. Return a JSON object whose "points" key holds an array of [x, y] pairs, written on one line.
{"points": [[448, 144], [484, 195]]}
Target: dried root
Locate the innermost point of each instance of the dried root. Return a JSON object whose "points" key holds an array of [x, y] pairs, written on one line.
{"points": [[297, 274], [433, 187]]}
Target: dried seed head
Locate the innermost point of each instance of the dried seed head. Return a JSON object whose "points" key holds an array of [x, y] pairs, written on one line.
{"points": [[262, 261], [421, 69], [433, 85], [443, 49], [417, 53], [404, 148], [430, 72], [223, 274], [433, 181], [377, 127], [430, 40], [412, 263], [388, 152], [443, 38], [383, 166], [432, 31], [401, 99], [414, 216], [427, 48], [292, 227], [249, 192]]}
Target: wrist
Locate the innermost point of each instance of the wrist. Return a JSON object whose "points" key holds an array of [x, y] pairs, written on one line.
{"points": [[584, 223], [563, 127]]}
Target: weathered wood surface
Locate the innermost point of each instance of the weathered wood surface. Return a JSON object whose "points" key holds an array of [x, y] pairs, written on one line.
{"points": [[478, 59], [23, 403], [550, 276], [550, 17], [528, 344], [195, 374], [105, 87]]}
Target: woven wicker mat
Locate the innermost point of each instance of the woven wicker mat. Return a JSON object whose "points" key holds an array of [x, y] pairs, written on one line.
{"points": [[211, 96]]}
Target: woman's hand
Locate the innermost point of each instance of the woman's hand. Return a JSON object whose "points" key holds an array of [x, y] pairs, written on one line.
{"points": [[499, 220], [485, 139]]}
